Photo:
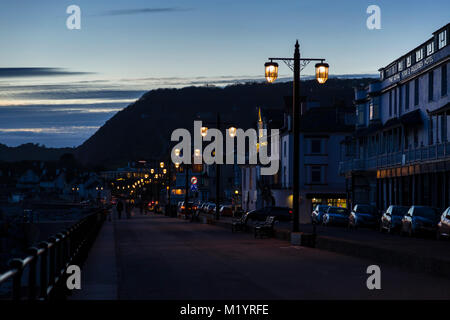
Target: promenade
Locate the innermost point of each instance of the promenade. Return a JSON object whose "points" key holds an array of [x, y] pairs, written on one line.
{"points": [[157, 257]]}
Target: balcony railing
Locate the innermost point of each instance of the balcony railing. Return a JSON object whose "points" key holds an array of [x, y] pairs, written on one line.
{"points": [[428, 153]]}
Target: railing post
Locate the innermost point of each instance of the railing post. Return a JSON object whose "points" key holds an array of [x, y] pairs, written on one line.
{"points": [[17, 279], [32, 274], [52, 261], [43, 281]]}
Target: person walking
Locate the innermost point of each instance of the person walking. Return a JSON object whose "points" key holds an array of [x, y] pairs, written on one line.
{"points": [[119, 209], [128, 209]]}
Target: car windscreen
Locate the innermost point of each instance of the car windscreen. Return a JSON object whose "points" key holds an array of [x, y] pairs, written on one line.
{"points": [[342, 211], [425, 212], [399, 211], [361, 208]]}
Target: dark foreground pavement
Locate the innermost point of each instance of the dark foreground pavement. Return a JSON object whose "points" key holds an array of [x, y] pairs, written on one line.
{"points": [[156, 257]]}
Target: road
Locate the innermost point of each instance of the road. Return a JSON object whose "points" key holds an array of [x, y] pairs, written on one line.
{"points": [[156, 257]]}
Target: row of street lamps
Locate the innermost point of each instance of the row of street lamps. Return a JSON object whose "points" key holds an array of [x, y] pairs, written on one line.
{"points": [[296, 64]]}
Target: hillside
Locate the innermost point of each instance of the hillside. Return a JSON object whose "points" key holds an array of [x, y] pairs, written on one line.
{"points": [[143, 129], [31, 151]]}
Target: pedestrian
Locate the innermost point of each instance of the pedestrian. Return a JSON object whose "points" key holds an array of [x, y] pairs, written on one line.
{"points": [[119, 208], [128, 209], [141, 207]]}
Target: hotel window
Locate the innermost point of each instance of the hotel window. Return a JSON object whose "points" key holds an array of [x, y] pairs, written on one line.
{"points": [[408, 61], [416, 91], [430, 85], [444, 84], [374, 108], [407, 95], [442, 39], [316, 174], [400, 66], [360, 115], [316, 146], [416, 137], [390, 103], [400, 99], [395, 101], [430, 48], [430, 131], [284, 149], [419, 55]]}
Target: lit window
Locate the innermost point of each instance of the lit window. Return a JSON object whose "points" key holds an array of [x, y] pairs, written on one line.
{"points": [[400, 66], [430, 48], [408, 61], [442, 39], [419, 55]]}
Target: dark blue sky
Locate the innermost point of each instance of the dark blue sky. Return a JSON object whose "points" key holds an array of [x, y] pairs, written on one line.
{"points": [[136, 45]]}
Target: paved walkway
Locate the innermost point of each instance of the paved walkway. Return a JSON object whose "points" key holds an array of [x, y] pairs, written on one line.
{"points": [[156, 257]]}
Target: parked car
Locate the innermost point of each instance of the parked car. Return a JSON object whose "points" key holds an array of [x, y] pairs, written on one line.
{"points": [[317, 214], [363, 215], [226, 211], [336, 216], [391, 220], [420, 219], [443, 228], [280, 213], [211, 209], [187, 209]]}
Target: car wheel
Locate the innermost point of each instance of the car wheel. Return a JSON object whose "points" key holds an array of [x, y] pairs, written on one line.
{"points": [[410, 232], [381, 228], [438, 235]]}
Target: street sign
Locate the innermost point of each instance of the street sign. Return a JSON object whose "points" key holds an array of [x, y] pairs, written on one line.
{"points": [[194, 180], [194, 187]]}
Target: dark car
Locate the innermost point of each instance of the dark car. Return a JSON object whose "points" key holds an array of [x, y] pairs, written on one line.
{"points": [[280, 213], [211, 208], [420, 219], [336, 216], [391, 220], [363, 215], [226, 210], [317, 214], [443, 229]]}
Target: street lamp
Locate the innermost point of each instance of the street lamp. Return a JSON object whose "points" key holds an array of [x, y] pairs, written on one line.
{"points": [[271, 72], [322, 72], [161, 164], [232, 132], [204, 131]]}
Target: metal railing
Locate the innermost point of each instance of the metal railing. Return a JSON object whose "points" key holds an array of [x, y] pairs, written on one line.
{"points": [[42, 274], [427, 153]]}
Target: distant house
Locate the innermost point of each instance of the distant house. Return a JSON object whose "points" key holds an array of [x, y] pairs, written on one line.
{"points": [[28, 180], [322, 129]]}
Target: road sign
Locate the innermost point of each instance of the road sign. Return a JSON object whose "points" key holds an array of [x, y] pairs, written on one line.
{"points": [[194, 187], [194, 180]]}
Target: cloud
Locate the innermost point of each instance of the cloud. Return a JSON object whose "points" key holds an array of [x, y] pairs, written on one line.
{"points": [[37, 72], [123, 12]]}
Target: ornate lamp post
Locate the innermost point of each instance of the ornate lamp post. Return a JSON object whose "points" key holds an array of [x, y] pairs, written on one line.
{"points": [[296, 64]]}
